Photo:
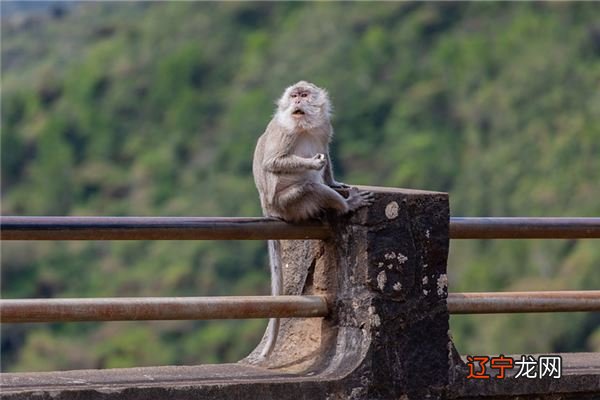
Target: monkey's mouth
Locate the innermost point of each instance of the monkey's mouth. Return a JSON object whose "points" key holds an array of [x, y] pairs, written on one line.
{"points": [[298, 112]]}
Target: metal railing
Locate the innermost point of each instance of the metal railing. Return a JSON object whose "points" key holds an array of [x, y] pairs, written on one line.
{"points": [[202, 228], [162, 308], [156, 308], [524, 228], [524, 302], [156, 228], [199, 228]]}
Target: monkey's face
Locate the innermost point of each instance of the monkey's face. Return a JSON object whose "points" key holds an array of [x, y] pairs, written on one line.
{"points": [[304, 105], [300, 100]]}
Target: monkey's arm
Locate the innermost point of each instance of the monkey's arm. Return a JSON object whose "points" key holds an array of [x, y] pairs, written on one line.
{"points": [[328, 178], [277, 148], [292, 163]]}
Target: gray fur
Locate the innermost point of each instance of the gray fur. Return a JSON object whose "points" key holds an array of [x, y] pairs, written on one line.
{"points": [[293, 174]]}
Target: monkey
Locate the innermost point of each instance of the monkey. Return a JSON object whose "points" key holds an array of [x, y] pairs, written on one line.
{"points": [[293, 172]]}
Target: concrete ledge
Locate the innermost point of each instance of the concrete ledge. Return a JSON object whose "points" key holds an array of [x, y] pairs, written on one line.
{"points": [[581, 374], [224, 380]]}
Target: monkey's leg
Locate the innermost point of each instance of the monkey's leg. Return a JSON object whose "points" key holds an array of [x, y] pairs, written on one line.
{"points": [[308, 200]]}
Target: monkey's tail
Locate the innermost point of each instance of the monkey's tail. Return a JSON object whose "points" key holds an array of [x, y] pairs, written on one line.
{"points": [[276, 290]]}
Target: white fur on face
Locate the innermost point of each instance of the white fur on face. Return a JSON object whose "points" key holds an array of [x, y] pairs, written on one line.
{"points": [[316, 107]]}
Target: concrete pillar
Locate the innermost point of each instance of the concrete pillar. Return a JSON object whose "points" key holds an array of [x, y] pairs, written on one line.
{"points": [[384, 273]]}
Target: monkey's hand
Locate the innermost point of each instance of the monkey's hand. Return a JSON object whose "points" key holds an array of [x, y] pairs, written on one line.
{"points": [[318, 161]]}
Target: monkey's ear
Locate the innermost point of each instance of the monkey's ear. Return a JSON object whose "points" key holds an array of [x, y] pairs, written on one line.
{"points": [[324, 102], [323, 96], [284, 101]]}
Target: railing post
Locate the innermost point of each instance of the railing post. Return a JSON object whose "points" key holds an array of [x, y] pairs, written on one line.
{"points": [[384, 272]]}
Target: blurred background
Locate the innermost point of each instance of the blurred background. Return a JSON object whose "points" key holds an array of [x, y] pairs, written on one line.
{"points": [[154, 108]]}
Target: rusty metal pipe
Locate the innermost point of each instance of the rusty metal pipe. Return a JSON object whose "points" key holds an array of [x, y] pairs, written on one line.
{"points": [[523, 302], [202, 228], [157, 308], [156, 228], [524, 228]]}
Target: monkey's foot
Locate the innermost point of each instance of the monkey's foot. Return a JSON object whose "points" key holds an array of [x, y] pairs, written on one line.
{"points": [[357, 198]]}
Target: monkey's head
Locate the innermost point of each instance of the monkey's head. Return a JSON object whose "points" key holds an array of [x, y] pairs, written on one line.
{"points": [[303, 105]]}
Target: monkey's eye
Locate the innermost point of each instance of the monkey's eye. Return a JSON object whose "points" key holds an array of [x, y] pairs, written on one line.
{"points": [[304, 95], [294, 96]]}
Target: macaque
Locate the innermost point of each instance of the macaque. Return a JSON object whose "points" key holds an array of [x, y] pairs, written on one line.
{"points": [[293, 172]]}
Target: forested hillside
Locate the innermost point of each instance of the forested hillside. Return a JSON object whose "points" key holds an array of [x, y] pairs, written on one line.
{"points": [[154, 108]]}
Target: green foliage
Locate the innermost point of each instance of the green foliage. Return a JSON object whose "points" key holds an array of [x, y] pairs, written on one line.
{"points": [[154, 109]]}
